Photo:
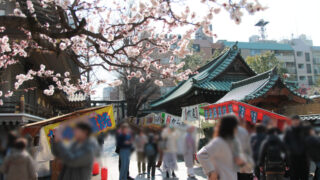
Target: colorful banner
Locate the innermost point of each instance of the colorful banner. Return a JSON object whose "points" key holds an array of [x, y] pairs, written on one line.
{"points": [[254, 116], [101, 120], [246, 111], [242, 111], [190, 113], [214, 113]]}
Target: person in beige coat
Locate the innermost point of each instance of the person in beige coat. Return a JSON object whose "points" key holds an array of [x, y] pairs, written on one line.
{"points": [[217, 157], [19, 164]]}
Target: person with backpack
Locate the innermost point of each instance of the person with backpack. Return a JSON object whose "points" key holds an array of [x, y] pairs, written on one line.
{"points": [[273, 156], [151, 152], [256, 141]]}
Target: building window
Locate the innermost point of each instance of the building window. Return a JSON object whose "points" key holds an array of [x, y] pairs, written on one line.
{"points": [[309, 68], [310, 81], [2, 12], [299, 53], [212, 51], [302, 78], [196, 47], [315, 70], [307, 55], [300, 66], [254, 52]]}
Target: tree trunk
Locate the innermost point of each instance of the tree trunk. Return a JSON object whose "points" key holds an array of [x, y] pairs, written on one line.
{"points": [[131, 107]]}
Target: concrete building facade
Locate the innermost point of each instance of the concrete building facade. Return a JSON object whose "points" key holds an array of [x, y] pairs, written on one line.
{"points": [[299, 57]]}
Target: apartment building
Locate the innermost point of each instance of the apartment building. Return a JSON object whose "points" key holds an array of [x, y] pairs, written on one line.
{"points": [[299, 57], [315, 50]]}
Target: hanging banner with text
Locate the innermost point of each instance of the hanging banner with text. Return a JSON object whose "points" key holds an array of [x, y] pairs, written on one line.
{"points": [[101, 120], [190, 113]]}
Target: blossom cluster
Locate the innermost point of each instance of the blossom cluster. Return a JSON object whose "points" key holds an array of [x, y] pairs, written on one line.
{"points": [[118, 35]]}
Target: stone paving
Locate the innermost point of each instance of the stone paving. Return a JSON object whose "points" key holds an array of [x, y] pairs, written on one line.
{"points": [[109, 159]]}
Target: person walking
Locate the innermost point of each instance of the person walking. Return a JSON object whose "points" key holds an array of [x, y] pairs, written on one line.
{"points": [[294, 140], [243, 137], [19, 164], [169, 151], [313, 149], [256, 141], [124, 141], [273, 156], [190, 151], [77, 158], [161, 145], [216, 158], [151, 152], [139, 142]]}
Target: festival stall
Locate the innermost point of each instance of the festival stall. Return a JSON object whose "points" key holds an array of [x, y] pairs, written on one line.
{"points": [[245, 111], [100, 118]]}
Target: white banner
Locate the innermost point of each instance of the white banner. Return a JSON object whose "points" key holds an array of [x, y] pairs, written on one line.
{"points": [[157, 119], [190, 113], [174, 121]]}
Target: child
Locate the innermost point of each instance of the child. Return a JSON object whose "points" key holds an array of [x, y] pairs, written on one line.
{"points": [[151, 152]]}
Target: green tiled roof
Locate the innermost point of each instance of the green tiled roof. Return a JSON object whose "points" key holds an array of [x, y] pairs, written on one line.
{"points": [[205, 78], [215, 85], [260, 45], [256, 86]]}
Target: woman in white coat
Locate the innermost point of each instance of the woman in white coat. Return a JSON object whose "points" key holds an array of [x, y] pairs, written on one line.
{"points": [[217, 158], [169, 136]]}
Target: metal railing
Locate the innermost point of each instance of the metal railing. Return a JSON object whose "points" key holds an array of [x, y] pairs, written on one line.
{"points": [[22, 107]]}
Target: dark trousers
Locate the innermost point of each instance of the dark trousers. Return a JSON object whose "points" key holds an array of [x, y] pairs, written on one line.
{"points": [[152, 166], [120, 166], [299, 169], [317, 172], [245, 176]]}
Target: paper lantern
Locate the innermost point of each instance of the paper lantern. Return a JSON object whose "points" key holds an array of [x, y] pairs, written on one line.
{"points": [[104, 173], [95, 168]]}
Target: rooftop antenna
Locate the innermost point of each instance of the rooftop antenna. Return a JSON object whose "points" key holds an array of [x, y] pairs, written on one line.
{"points": [[261, 23]]}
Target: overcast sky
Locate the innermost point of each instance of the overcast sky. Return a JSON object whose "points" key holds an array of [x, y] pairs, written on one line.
{"points": [[286, 17]]}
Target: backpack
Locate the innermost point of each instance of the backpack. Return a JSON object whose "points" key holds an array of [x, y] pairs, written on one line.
{"points": [[149, 150], [274, 160]]}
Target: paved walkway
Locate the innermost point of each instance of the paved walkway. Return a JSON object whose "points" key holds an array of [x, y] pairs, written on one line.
{"points": [[109, 159]]}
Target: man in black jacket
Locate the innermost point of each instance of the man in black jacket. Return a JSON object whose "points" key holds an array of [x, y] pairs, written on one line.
{"points": [[295, 142], [273, 156], [256, 141]]}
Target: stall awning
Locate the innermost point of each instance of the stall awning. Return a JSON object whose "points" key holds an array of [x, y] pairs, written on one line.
{"points": [[33, 128], [248, 112]]}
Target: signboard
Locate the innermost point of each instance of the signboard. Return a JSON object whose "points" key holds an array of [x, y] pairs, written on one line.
{"points": [[190, 113], [101, 120], [174, 121]]}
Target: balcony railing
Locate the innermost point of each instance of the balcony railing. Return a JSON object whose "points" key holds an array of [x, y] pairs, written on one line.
{"points": [[22, 107], [285, 58]]}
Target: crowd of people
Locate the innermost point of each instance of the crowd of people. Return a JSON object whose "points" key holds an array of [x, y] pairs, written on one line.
{"points": [[154, 150], [266, 153], [238, 150]]}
